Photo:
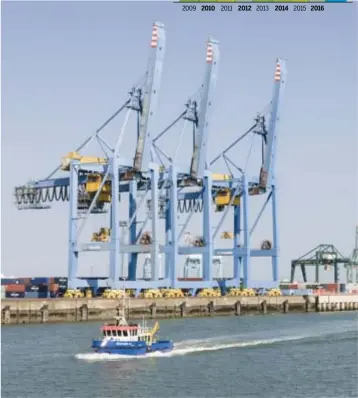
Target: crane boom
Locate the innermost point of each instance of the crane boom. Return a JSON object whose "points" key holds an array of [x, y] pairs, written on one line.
{"points": [[270, 150], [199, 158], [150, 98]]}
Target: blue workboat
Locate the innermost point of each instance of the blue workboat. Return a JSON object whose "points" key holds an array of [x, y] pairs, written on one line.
{"points": [[124, 338]]}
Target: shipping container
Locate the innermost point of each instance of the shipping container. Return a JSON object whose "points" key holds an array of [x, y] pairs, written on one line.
{"points": [[60, 280], [31, 295], [14, 281], [15, 288], [284, 286], [293, 286], [14, 294], [37, 288], [36, 294], [53, 287], [39, 281]]}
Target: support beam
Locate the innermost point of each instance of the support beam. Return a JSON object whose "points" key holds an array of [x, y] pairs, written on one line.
{"points": [[173, 225], [275, 243], [246, 256], [207, 228], [237, 242], [155, 221], [133, 257], [72, 247], [115, 259]]}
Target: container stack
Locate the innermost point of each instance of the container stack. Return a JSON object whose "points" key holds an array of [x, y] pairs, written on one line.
{"points": [[43, 287], [299, 289]]}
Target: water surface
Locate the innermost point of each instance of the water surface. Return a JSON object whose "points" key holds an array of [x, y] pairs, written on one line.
{"points": [[292, 355]]}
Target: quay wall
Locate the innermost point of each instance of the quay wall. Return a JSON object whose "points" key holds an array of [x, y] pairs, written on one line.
{"points": [[23, 311]]}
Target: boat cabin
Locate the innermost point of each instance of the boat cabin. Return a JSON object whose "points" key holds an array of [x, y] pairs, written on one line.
{"points": [[126, 333]]}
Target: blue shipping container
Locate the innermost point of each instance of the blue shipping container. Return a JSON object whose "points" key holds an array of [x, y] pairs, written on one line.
{"points": [[14, 294], [38, 281], [36, 295], [13, 281], [60, 280], [31, 295], [36, 288]]}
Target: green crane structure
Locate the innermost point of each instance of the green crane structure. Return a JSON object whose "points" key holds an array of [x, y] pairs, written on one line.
{"points": [[352, 266], [325, 255]]}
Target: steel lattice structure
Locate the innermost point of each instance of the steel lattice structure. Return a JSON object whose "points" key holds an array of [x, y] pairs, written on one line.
{"points": [[95, 185]]}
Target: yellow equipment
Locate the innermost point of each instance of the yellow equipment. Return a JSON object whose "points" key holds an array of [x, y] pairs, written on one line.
{"points": [[243, 293], [221, 177], [274, 293], [73, 293], [172, 293], [227, 235], [223, 198], [151, 293], [102, 236], [209, 293], [66, 160], [114, 294]]}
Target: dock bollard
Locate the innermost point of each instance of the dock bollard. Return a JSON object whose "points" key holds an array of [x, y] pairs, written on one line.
{"points": [[237, 308], [264, 307], [6, 315], [285, 307], [211, 308], [316, 304], [44, 313], [84, 312], [307, 304], [183, 309], [153, 310]]}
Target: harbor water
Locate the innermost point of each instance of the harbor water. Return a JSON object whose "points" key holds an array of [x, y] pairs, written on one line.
{"points": [[292, 355]]}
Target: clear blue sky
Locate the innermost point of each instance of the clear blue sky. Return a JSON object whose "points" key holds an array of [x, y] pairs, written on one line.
{"points": [[67, 66]]}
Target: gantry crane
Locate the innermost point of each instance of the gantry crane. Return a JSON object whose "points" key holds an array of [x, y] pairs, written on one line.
{"points": [[324, 255], [352, 266], [94, 185]]}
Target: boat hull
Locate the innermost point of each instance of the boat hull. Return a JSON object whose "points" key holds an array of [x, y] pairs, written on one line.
{"points": [[131, 348]]}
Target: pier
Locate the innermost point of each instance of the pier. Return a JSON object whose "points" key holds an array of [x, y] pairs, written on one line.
{"points": [[25, 311]]}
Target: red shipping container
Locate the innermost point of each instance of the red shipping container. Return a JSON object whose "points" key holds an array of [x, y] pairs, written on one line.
{"points": [[15, 288], [332, 286], [53, 287], [293, 286]]}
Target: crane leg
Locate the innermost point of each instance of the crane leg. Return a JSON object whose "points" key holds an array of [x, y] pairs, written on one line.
{"points": [[72, 250], [236, 259], [133, 259], [275, 236], [207, 227], [246, 257]]}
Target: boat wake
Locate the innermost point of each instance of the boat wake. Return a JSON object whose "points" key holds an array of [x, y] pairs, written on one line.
{"points": [[188, 347]]}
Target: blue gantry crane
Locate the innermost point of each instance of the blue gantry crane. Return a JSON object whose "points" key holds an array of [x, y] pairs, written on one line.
{"points": [[154, 180]]}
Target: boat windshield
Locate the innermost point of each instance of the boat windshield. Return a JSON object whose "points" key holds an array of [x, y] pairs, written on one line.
{"points": [[119, 332]]}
